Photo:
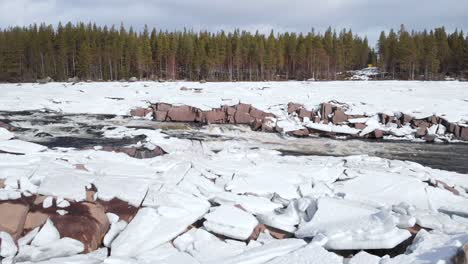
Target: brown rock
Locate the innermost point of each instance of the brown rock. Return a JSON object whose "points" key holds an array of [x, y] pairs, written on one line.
{"points": [[360, 125], [339, 117], [305, 113], [378, 133], [268, 125], [277, 233], [163, 107], [140, 112], [257, 124], [316, 119], [299, 133], [255, 113], [433, 119], [7, 126], [293, 107], [430, 138], [86, 222], [421, 131], [214, 117], [464, 133], [34, 219], [260, 228], [245, 108], [182, 114], [406, 119], [421, 123], [13, 217], [462, 255], [160, 115], [121, 208], [385, 119], [2, 183], [325, 110], [242, 118]]}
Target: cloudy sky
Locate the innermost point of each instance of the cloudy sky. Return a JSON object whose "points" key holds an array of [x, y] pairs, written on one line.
{"points": [[365, 17]]}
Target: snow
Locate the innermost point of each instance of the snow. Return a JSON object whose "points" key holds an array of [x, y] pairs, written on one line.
{"points": [[7, 245], [5, 134], [230, 221], [310, 254], [20, 147], [352, 225], [201, 202], [150, 229], [421, 99]]}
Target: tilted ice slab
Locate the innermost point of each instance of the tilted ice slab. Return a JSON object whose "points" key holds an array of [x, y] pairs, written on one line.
{"points": [[264, 253], [230, 221], [352, 225], [20, 147], [5, 134], [151, 228], [431, 247], [310, 254], [420, 99]]}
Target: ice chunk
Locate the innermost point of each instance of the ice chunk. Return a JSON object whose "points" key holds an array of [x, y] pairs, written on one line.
{"points": [[230, 221], [364, 258], [264, 253], [310, 254], [149, 229], [352, 225], [20, 147], [46, 235], [5, 134], [8, 247]]}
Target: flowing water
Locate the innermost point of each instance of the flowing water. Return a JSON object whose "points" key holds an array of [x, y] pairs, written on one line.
{"points": [[79, 131]]}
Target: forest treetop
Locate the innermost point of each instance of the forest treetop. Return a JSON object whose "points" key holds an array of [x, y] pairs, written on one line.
{"points": [[111, 53]]}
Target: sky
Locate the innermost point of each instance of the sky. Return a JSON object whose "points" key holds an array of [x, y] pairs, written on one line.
{"points": [[364, 17]]}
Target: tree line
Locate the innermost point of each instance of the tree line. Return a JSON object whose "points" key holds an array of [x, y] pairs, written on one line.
{"points": [[93, 52]]}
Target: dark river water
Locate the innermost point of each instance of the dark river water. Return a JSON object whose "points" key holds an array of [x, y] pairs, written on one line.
{"points": [[80, 131]]}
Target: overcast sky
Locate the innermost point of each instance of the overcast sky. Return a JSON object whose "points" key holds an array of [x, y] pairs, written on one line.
{"points": [[365, 17]]}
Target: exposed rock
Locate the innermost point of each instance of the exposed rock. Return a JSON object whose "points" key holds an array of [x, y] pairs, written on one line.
{"points": [[160, 115], [430, 137], [378, 133], [163, 107], [7, 126], [202, 81], [293, 107], [420, 123], [137, 152], [255, 113], [13, 217], [2, 183], [85, 222], [406, 119], [360, 125], [133, 79], [244, 108], [241, 117], [325, 110], [140, 112], [299, 133], [464, 133], [305, 113], [433, 119], [339, 117], [216, 116], [385, 119], [462, 255], [421, 131], [182, 114], [124, 210]]}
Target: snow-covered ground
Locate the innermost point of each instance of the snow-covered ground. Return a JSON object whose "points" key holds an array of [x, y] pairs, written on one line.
{"points": [[419, 99], [228, 201]]}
